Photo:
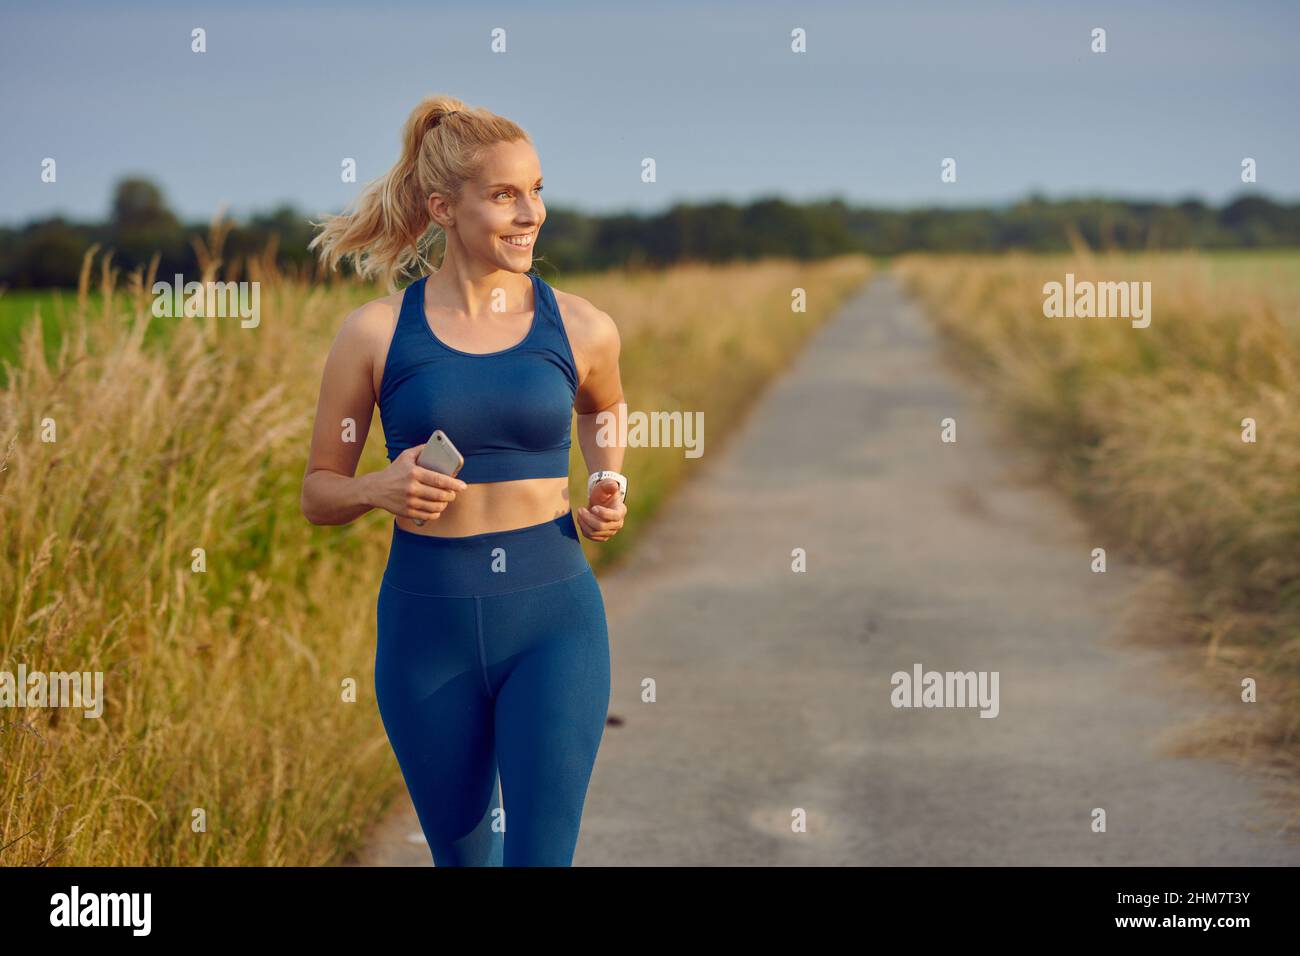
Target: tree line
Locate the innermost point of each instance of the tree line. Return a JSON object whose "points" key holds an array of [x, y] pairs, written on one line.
{"points": [[48, 252]]}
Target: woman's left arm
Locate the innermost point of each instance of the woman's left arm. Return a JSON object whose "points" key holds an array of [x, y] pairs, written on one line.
{"points": [[601, 412]]}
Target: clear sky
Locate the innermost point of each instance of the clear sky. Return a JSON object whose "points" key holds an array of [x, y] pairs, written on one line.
{"points": [[710, 90]]}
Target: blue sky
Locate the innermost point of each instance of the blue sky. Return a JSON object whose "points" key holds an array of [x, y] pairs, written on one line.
{"points": [[710, 90]]}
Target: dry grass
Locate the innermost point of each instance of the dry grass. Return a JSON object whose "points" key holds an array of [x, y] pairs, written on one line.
{"points": [[1144, 427], [226, 688]]}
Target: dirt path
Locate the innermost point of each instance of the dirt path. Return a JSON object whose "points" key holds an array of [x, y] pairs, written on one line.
{"points": [[773, 687]]}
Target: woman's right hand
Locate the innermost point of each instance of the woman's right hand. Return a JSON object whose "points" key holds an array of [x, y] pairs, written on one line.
{"points": [[409, 490]]}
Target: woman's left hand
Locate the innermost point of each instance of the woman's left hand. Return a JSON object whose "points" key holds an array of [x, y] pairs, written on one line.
{"points": [[604, 516]]}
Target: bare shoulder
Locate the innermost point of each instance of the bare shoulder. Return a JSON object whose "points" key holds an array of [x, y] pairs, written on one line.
{"points": [[592, 333], [376, 316], [367, 331]]}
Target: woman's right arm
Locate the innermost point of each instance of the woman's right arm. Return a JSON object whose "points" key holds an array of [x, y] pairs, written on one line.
{"points": [[332, 492]]}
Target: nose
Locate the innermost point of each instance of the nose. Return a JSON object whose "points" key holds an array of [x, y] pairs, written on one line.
{"points": [[532, 211]]}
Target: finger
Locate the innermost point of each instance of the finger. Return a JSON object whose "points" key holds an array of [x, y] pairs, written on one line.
{"points": [[590, 527], [426, 509], [437, 479], [422, 492], [594, 521]]}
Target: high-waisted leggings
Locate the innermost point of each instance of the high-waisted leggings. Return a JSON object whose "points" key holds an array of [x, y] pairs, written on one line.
{"points": [[492, 666]]}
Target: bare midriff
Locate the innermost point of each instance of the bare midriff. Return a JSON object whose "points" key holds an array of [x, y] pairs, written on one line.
{"points": [[497, 506]]}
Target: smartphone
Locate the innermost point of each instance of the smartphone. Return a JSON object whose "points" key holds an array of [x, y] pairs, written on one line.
{"points": [[440, 455]]}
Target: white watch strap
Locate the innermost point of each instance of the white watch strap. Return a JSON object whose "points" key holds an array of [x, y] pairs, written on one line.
{"points": [[597, 476]]}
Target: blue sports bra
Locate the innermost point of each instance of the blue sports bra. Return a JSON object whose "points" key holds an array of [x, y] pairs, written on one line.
{"points": [[508, 412]]}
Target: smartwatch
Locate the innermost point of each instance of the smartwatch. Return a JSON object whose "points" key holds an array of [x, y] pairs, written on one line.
{"points": [[597, 476]]}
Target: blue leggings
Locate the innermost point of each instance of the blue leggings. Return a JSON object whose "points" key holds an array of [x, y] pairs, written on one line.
{"points": [[492, 656]]}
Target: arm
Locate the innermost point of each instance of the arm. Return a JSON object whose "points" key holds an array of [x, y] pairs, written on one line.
{"points": [[332, 493], [600, 392], [599, 403]]}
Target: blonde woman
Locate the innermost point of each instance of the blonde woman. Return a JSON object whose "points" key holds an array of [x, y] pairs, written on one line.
{"points": [[492, 654]]}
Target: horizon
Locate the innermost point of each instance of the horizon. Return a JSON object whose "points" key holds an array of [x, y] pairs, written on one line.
{"points": [[1001, 206]]}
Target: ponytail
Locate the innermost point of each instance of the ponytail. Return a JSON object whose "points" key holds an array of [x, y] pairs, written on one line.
{"points": [[384, 233]]}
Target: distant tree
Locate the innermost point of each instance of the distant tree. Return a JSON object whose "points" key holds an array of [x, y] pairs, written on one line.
{"points": [[141, 224], [138, 204], [49, 255]]}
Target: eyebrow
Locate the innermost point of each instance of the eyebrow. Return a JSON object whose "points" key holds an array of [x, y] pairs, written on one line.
{"points": [[507, 185]]}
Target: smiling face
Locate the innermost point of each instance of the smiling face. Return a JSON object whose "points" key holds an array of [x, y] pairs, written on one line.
{"points": [[500, 212]]}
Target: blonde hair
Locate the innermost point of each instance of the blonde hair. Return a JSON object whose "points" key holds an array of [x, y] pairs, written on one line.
{"points": [[443, 143]]}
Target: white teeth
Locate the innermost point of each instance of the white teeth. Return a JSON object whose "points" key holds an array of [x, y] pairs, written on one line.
{"points": [[519, 240]]}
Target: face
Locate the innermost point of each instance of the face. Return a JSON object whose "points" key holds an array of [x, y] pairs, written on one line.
{"points": [[499, 214]]}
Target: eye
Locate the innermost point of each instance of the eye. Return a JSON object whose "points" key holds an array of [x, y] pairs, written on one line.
{"points": [[506, 192]]}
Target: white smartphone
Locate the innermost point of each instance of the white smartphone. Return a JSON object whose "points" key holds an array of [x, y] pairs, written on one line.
{"points": [[440, 455]]}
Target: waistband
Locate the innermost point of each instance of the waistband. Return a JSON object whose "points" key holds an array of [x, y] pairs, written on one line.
{"points": [[478, 565]]}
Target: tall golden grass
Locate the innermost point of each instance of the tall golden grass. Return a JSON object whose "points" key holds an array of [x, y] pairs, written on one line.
{"points": [[1144, 427], [226, 737]]}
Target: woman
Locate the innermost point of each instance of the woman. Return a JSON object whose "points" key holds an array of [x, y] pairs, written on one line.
{"points": [[492, 654]]}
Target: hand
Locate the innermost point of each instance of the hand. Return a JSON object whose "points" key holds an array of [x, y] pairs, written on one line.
{"points": [[602, 520], [410, 490]]}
